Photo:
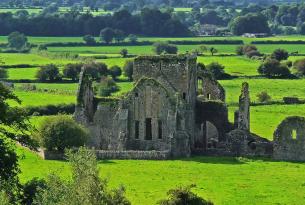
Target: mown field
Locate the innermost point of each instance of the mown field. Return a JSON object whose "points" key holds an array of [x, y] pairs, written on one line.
{"points": [[223, 180]]}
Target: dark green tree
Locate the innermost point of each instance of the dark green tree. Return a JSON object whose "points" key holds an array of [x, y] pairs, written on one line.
{"points": [[280, 54], [89, 40], [17, 40], [107, 35]]}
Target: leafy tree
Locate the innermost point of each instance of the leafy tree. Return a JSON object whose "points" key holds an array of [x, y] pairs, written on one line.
{"points": [[263, 97], [96, 70], [216, 69], [183, 196], [72, 70], [107, 86], [203, 48], [42, 47], [273, 68], [107, 35], [61, 132], [17, 41], [119, 35], [213, 50], [280, 54], [164, 47], [250, 23], [128, 69], [31, 188], [299, 65], [49, 72], [124, 52], [115, 72], [133, 38], [4, 198], [89, 40], [3, 73], [86, 187], [13, 126]]}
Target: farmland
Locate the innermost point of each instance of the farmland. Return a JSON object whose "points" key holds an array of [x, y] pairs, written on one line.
{"points": [[147, 181]]}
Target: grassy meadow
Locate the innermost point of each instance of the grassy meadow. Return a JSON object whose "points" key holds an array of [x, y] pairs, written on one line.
{"points": [[222, 180]]}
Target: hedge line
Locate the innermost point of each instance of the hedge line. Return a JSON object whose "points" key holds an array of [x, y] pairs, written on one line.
{"points": [[278, 42], [50, 109], [145, 43]]}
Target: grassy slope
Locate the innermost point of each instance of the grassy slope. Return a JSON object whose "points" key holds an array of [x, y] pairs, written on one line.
{"points": [[223, 180]]}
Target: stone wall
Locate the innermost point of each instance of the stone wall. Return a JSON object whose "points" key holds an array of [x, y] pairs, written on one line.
{"points": [[242, 116], [289, 139], [210, 88]]}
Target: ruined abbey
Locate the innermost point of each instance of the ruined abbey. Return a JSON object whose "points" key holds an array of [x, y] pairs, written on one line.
{"points": [[176, 110]]}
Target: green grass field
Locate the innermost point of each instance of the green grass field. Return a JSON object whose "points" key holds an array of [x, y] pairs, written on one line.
{"points": [[222, 180]]}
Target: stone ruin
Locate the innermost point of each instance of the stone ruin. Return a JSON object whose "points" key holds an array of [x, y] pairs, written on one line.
{"points": [[289, 140], [173, 110]]}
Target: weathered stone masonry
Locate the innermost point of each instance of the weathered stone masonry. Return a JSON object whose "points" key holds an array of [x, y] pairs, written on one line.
{"points": [[173, 110]]}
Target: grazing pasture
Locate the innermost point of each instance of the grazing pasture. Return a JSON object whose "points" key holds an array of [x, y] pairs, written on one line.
{"points": [[222, 180]]}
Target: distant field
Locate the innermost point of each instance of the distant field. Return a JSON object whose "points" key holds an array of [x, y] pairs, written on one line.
{"points": [[222, 180], [22, 73], [37, 98], [276, 88]]}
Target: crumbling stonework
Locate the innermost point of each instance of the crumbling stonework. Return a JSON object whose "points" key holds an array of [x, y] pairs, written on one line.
{"points": [[242, 116], [169, 114], [289, 139]]}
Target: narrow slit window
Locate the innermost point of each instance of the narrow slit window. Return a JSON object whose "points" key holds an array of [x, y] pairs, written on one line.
{"points": [[160, 132], [184, 96], [137, 131], [294, 134], [209, 96], [148, 129]]}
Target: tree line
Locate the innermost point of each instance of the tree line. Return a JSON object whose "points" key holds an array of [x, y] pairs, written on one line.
{"points": [[149, 22]]}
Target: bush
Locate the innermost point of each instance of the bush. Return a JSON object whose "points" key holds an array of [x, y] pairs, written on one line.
{"points": [[17, 41], [85, 187], [96, 70], [216, 69], [31, 188], [89, 40], [124, 52], [183, 196], [248, 50], [133, 38], [273, 68], [115, 72], [263, 97], [291, 100], [164, 47], [106, 87], [50, 109], [61, 132], [280, 54], [42, 47], [3, 73], [128, 69], [299, 65], [72, 70], [49, 72]]}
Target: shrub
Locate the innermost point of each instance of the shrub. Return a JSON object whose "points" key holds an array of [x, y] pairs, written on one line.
{"points": [[253, 53], [72, 70], [128, 69], [61, 132], [164, 47], [291, 100], [115, 72], [50, 109], [280, 54], [85, 187], [133, 38], [299, 65], [216, 69], [124, 52], [183, 196], [17, 41], [263, 97], [3, 73], [31, 188], [89, 40], [273, 68], [106, 87], [42, 47], [248, 50], [49, 72]]}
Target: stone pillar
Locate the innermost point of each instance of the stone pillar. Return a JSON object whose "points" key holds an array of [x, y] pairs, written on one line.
{"points": [[244, 108], [84, 111]]}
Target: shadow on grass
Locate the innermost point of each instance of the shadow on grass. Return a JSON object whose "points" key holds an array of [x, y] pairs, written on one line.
{"points": [[105, 161], [215, 160]]}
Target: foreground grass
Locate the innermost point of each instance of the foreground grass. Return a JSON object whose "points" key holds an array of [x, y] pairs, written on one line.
{"points": [[222, 180]]}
